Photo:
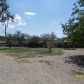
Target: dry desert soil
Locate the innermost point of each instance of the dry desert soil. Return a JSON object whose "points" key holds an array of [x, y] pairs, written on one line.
{"points": [[40, 70]]}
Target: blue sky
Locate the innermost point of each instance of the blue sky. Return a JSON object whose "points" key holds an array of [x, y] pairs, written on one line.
{"points": [[39, 16]]}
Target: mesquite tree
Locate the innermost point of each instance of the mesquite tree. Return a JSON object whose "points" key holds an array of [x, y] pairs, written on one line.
{"points": [[5, 15], [50, 45]]}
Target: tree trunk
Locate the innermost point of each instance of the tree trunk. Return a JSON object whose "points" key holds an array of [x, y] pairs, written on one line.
{"points": [[5, 30], [50, 49]]}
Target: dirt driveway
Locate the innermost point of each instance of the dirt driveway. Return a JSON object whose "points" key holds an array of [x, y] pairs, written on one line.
{"points": [[42, 70]]}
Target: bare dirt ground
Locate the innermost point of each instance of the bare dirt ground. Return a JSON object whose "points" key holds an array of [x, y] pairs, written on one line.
{"points": [[39, 70]]}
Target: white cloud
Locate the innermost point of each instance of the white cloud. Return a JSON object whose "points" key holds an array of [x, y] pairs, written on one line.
{"points": [[30, 13], [18, 21]]}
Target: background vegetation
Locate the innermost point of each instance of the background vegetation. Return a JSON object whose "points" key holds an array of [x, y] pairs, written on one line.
{"points": [[74, 27]]}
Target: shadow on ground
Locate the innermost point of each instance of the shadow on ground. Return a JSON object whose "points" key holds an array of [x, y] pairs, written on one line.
{"points": [[76, 59], [2, 48]]}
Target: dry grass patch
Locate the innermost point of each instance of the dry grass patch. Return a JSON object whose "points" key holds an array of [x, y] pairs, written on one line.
{"points": [[45, 61]]}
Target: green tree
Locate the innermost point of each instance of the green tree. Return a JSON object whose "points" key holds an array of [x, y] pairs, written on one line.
{"points": [[33, 41], [49, 40], [48, 37], [5, 15], [20, 37], [9, 40], [74, 28]]}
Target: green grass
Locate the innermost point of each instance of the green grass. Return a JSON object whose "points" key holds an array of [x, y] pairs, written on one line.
{"points": [[79, 74], [21, 52], [16, 50]]}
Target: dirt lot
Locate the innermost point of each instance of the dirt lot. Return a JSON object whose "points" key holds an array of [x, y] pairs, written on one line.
{"points": [[40, 70]]}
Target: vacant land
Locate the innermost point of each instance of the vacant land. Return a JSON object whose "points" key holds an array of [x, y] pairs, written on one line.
{"points": [[52, 69]]}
